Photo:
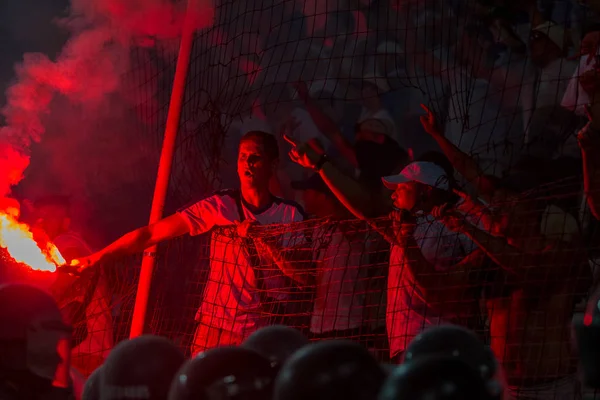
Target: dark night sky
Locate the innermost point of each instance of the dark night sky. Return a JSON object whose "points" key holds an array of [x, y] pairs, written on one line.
{"points": [[28, 26]]}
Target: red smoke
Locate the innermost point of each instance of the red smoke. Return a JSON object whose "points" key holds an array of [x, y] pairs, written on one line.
{"points": [[88, 70]]}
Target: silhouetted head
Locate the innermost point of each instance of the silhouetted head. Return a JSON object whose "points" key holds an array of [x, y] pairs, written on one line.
{"points": [[453, 341], [276, 343], [330, 370], [437, 378], [53, 215], [224, 373], [91, 389], [34, 339], [141, 368]]}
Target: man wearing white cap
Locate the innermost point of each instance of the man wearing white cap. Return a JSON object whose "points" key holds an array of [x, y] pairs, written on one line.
{"points": [[427, 283], [550, 121]]}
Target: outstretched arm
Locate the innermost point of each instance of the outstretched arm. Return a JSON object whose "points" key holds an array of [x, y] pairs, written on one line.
{"points": [[527, 265], [328, 127], [138, 240], [462, 162]]}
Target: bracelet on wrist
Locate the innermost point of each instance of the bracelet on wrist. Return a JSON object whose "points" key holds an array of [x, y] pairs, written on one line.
{"points": [[319, 165]]}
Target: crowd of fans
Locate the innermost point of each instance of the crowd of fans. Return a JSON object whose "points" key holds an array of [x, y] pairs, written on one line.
{"points": [[429, 227]]}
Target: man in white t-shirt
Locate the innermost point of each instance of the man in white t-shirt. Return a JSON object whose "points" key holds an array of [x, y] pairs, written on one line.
{"points": [[339, 252], [235, 291]]}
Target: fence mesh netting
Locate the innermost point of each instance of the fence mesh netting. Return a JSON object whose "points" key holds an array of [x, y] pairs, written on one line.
{"points": [[513, 267]]}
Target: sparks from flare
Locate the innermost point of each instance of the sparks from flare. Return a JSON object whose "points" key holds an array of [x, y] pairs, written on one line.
{"points": [[17, 238]]}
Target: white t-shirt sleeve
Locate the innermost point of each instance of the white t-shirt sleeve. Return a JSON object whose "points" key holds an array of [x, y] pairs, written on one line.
{"points": [[205, 214]]}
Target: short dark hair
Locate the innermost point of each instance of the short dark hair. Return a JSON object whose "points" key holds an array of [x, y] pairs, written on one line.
{"points": [[268, 141], [53, 201]]}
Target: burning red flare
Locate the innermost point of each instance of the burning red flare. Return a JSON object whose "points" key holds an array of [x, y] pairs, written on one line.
{"points": [[17, 238]]}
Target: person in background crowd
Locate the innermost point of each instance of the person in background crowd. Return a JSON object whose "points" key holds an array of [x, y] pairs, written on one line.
{"points": [[34, 346], [237, 290], [528, 313], [589, 143], [488, 100], [547, 47], [340, 276], [85, 301], [531, 241], [375, 153]]}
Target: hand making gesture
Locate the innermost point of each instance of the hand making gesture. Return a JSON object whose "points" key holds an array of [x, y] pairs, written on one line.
{"points": [[307, 155], [429, 122], [450, 217]]}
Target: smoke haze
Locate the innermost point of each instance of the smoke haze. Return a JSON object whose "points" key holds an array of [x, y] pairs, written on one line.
{"points": [[78, 123]]}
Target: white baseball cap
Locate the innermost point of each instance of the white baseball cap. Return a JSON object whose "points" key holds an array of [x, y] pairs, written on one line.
{"points": [[427, 173], [380, 122]]}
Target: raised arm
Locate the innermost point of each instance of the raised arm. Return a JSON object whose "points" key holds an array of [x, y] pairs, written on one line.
{"points": [[328, 127], [462, 162], [138, 240], [356, 197]]}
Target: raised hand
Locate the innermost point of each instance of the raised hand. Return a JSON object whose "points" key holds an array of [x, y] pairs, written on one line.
{"points": [[469, 204], [244, 228], [429, 122], [306, 154], [450, 217], [403, 223]]}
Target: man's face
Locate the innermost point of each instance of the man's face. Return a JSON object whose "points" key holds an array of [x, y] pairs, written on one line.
{"points": [[540, 47], [370, 131], [48, 347], [255, 169], [405, 196], [53, 220]]}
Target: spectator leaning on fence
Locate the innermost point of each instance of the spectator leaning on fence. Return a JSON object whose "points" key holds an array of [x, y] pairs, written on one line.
{"points": [[540, 276], [429, 265], [235, 292], [340, 261]]}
